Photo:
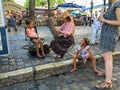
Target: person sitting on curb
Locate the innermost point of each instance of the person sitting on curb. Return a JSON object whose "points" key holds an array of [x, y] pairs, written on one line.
{"points": [[84, 53], [34, 37]]}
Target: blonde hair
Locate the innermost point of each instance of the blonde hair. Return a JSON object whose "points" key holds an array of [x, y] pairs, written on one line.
{"points": [[66, 14]]}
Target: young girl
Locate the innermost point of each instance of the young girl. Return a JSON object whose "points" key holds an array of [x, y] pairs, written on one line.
{"points": [[84, 53], [34, 37]]}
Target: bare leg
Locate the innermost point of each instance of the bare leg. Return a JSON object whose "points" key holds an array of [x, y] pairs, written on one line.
{"points": [[75, 57], [74, 62], [94, 65], [94, 62], [41, 45], [108, 69], [108, 65], [37, 47], [84, 62]]}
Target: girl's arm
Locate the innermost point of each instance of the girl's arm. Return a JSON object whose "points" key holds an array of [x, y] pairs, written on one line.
{"points": [[27, 32], [78, 51], [89, 52]]}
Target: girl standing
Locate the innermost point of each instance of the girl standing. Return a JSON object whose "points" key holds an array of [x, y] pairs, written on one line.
{"points": [[108, 40]]}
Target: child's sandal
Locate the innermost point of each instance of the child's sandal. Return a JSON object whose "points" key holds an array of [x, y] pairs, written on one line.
{"points": [[105, 85], [101, 74], [73, 70]]}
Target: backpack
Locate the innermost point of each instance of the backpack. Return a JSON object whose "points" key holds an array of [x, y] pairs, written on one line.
{"points": [[46, 49], [32, 50]]}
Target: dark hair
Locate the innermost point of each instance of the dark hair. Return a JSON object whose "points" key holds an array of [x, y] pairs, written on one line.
{"points": [[68, 18], [87, 41], [28, 21]]}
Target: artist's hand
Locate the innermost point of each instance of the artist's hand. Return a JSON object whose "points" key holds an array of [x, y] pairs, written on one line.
{"points": [[101, 19], [57, 30]]}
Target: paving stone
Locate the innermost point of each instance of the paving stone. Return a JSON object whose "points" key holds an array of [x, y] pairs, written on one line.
{"points": [[35, 62], [28, 85], [19, 60], [11, 68], [27, 64], [32, 89], [20, 88], [12, 60], [4, 61], [74, 87], [20, 63], [25, 86], [66, 88], [43, 87], [4, 68], [7, 88], [20, 67]]}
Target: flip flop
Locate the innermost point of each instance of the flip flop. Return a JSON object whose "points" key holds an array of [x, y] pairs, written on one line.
{"points": [[100, 73], [58, 57], [73, 70]]}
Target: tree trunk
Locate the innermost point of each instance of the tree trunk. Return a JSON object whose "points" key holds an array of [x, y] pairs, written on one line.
{"points": [[104, 5], [32, 9], [48, 8]]}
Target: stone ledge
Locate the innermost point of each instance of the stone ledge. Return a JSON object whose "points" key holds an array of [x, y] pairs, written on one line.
{"points": [[116, 53], [15, 73], [18, 76]]}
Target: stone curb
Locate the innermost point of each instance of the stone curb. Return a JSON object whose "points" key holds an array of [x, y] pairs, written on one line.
{"points": [[40, 71]]}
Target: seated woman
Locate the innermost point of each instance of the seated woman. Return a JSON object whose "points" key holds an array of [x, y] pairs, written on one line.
{"points": [[34, 37], [61, 44]]}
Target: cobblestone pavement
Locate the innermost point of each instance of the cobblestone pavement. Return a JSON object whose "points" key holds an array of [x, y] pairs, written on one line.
{"points": [[83, 79], [18, 58]]}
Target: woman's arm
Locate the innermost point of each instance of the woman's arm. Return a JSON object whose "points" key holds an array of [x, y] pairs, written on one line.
{"points": [[110, 22]]}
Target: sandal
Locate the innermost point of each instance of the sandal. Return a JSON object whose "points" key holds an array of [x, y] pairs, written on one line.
{"points": [[102, 74], [73, 70], [58, 57], [105, 85], [39, 56]]}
